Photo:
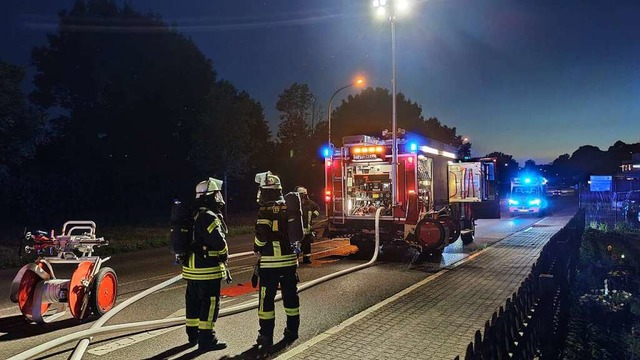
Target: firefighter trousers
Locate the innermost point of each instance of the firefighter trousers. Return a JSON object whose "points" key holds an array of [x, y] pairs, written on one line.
{"points": [[269, 280], [202, 307], [306, 244]]}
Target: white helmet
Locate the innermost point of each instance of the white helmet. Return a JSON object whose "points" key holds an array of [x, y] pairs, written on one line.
{"points": [[268, 181], [208, 187], [302, 190]]}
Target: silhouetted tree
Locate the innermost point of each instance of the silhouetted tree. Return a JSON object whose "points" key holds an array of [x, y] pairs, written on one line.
{"points": [[130, 90], [369, 113], [22, 127]]}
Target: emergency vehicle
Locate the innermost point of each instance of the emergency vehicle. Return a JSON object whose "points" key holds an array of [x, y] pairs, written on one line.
{"points": [[436, 195], [528, 195]]}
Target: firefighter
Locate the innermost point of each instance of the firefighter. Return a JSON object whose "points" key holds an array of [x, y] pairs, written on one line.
{"points": [[310, 211], [204, 266], [278, 259]]}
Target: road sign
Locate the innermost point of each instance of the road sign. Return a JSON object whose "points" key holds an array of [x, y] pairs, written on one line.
{"points": [[600, 183]]}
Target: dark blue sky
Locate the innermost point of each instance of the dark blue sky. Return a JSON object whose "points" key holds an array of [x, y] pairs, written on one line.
{"points": [[531, 78]]}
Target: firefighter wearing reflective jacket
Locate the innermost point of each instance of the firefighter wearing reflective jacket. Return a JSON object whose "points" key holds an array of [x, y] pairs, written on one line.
{"points": [[277, 260], [205, 266], [310, 211]]}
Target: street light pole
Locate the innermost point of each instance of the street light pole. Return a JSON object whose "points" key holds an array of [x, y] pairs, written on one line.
{"points": [[357, 82], [394, 141]]}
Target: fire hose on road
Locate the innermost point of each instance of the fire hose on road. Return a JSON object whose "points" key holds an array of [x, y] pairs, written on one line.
{"points": [[98, 329]]}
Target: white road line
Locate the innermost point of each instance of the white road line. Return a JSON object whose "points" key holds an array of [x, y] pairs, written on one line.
{"points": [[134, 339]]}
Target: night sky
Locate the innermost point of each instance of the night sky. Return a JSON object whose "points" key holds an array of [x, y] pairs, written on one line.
{"points": [[534, 79]]}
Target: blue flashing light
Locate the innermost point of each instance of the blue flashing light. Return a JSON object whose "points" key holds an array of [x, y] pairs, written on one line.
{"points": [[527, 180], [326, 152], [413, 147], [513, 202], [534, 202]]}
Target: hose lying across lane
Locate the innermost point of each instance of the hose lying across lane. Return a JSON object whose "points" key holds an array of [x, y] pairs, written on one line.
{"points": [[98, 329]]}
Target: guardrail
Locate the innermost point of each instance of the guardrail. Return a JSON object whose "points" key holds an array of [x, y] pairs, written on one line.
{"points": [[532, 323]]}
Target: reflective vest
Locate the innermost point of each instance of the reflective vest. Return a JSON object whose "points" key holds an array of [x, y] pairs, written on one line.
{"points": [[271, 240], [208, 253]]}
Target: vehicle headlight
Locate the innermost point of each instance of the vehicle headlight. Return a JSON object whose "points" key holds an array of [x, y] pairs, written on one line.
{"points": [[513, 202], [534, 202]]}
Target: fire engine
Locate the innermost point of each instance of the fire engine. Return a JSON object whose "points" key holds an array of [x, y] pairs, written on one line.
{"points": [[528, 195], [437, 197]]}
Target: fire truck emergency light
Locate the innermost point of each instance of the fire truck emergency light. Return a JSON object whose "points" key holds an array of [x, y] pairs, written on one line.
{"points": [[327, 196]]}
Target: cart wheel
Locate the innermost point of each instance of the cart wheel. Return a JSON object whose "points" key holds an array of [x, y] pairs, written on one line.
{"points": [[104, 291], [26, 293], [78, 292]]}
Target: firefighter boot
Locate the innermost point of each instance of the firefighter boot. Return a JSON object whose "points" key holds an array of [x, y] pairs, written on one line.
{"points": [[264, 341], [290, 336], [192, 334], [208, 341]]}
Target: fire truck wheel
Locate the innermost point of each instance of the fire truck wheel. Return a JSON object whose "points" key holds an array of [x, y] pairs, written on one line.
{"points": [[104, 292]]}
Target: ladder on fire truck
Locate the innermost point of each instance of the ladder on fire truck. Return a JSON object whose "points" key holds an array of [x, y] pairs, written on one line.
{"points": [[337, 188]]}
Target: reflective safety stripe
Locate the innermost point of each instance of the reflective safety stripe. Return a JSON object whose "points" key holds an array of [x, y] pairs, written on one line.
{"points": [[270, 262], [263, 291], [205, 325], [316, 212], [192, 261], [292, 312], [203, 277], [266, 315], [258, 242], [282, 264], [214, 224], [210, 273], [203, 270], [274, 226], [217, 253], [193, 322], [268, 258], [277, 251], [263, 222], [212, 308]]}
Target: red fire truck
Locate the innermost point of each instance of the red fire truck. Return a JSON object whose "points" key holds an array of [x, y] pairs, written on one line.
{"points": [[437, 197]]}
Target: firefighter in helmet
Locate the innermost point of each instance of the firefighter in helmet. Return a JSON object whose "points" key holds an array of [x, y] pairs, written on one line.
{"points": [[310, 211], [278, 259], [204, 266]]}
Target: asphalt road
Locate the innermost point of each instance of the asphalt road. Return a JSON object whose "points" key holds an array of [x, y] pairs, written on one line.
{"points": [[322, 306]]}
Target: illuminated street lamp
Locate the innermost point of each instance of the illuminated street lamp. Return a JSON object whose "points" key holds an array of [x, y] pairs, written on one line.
{"points": [[393, 7], [358, 82]]}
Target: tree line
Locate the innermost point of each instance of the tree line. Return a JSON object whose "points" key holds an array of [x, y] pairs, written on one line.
{"points": [[128, 114]]}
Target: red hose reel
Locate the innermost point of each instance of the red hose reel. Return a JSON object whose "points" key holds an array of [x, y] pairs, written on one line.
{"points": [[43, 298]]}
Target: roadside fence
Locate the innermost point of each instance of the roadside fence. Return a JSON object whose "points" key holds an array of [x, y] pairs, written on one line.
{"points": [[533, 321]]}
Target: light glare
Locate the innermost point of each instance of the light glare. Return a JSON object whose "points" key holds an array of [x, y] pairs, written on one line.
{"points": [[376, 3], [381, 11], [402, 6]]}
